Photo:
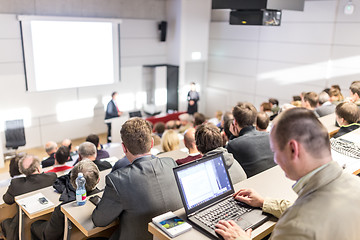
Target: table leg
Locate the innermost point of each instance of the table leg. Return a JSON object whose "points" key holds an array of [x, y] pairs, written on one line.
{"points": [[21, 225], [67, 229]]}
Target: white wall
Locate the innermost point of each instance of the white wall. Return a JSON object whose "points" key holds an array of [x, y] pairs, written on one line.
{"points": [[311, 50], [139, 45]]}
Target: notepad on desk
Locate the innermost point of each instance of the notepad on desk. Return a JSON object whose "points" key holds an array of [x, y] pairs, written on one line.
{"points": [[35, 203]]}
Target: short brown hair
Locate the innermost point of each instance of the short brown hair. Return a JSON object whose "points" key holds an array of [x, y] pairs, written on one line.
{"points": [[93, 138], [32, 168], [208, 137], [136, 135], [199, 119], [245, 114], [170, 141], [312, 98], [266, 106], [303, 126], [159, 127], [90, 171], [262, 120], [350, 112], [14, 164], [355, 87], [334, 92], [62, 154]]}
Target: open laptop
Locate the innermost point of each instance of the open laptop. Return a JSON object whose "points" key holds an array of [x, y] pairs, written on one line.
{"points": [[206, 192]]}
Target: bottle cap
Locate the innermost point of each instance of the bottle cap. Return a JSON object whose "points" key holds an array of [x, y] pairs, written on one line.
{"points": [[80, 174]]}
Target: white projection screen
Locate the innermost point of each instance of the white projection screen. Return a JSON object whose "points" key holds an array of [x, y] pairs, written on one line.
{"points": [[64, 53]]}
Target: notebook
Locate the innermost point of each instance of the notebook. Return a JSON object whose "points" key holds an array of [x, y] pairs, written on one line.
{"points": [[206, 192]]}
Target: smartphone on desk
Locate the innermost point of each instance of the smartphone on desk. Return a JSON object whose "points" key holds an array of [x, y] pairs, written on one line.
{"points": [[95, 199]]}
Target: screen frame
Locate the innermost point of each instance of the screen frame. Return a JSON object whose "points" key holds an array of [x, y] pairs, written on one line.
{"points": [[28, 54], [212, 201]]}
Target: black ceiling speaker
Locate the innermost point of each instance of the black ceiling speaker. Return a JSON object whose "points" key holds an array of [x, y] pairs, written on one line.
{"points": [[162, 29]]}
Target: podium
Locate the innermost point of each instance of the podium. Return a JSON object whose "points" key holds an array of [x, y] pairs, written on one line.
{"points": [[116, 124]]}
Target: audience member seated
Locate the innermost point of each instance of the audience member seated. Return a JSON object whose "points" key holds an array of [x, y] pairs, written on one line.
{"points": [[170, 141], [14, 170], [225, 133], [262, 121], [355, 93], [266, 108], [100, 153], [296, 101], [67, 143], [325, 106], [310, 101], [217, 119], [226, 116], [302, 149], [159, 128], [54, 228], [209, 142], [250, 148], [137, 193], [274, 107], [34, 179], [347, 116], [87, 150], [62, 155], [337, 87], [170, 124], [50, 148], [190, 144], [335, 96], [186, 121], [199, 119]]}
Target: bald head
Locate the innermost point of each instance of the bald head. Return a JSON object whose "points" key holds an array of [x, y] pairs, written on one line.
{"points": [[50, 147], [67, 143], [29, 165], [189, 140]]}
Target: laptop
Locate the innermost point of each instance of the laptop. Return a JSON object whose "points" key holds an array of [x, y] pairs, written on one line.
{"points": [[206, 192]]}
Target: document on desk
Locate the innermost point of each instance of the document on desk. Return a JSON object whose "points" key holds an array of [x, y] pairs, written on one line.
{"points": [[349, 164], [35, 203]]}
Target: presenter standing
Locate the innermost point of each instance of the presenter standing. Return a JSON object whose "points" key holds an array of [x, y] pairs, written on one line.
{"points": [[193, 97], [112, 111]]}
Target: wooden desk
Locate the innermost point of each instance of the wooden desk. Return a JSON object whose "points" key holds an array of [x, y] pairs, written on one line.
{"points": [[24, 225], [329, 122], [270, 183], [80, 216]]}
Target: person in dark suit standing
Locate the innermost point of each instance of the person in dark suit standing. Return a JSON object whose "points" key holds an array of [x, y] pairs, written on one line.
{"points": [[140, 191], [35, 179], [193, 97], [112, 111]]}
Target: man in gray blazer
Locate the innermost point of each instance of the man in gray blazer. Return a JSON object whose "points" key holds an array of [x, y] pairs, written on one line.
{"points": [[250, 147], [328, 200], [140, 191]]}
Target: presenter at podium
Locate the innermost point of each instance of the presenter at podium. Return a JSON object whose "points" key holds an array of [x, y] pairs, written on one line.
{"points": [[193, 97], [112, 111]]}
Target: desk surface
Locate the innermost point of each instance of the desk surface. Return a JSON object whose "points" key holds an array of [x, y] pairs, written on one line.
{"points": [[80, 216], [48, 192], [271, 183], [329, 122]]}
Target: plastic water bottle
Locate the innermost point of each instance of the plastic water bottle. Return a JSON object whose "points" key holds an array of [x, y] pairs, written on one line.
{"points": [[80, 190]]}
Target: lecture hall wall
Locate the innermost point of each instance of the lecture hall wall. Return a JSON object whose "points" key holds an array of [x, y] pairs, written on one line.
{"points": [[310, 51], [139, 46]]}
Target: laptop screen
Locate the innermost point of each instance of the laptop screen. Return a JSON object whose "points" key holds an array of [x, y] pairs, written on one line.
{"points": [[203, 181]]}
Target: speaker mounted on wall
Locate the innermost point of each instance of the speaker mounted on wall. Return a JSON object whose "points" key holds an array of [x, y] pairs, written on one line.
{"points": [[163, 29]]}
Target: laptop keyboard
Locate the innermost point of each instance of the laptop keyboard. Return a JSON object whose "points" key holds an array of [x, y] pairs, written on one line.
{"points": [[226, 210]]}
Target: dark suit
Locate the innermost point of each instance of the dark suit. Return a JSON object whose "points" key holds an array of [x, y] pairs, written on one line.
{"points": [[20, 186], [137, 193], [325, 109], [252, 150], [102, 165], [111, 112], [49, 161], [194, 96]]}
